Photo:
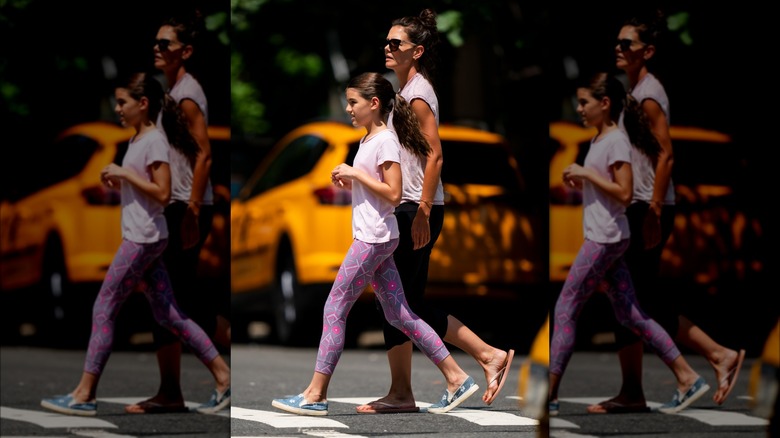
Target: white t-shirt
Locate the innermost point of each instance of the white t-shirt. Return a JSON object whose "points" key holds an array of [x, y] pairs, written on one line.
{"points": [[642, 166], [373, 220], [142, 217], [181, 172], [604, 217], [412, 165]]}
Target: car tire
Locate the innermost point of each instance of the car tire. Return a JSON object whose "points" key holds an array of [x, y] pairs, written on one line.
{"points": [[62, 321], [293, 322]]}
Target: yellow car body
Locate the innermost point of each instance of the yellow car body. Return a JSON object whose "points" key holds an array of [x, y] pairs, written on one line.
{"points": [[291, 228], [68, 230]]}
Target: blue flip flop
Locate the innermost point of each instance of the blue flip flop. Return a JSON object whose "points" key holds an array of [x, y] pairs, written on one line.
{"points": [[65, 404], [299, 405]]}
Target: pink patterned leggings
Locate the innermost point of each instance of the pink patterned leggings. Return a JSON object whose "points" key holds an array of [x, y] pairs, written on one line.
{"points": [[364, 263], [134, 265], [595, 262]]}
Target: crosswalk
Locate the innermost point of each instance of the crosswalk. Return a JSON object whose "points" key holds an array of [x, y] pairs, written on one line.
{"points": [[311, 426], [566, 426]]}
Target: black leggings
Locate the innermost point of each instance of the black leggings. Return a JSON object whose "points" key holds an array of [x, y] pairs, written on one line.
{"points": [[413, 267], [644, 265], [182, 265]]}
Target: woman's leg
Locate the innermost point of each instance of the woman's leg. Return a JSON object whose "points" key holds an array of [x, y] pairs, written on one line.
{"points": [[168, 314], [630, 315]]}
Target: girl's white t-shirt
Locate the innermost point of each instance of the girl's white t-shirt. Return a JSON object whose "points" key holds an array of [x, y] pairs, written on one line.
{"points": [[373, 220], [604, 217], [142, 217]]}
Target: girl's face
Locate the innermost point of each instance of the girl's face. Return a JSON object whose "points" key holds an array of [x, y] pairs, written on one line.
{"points": [[400, 52], [360, 109], [129, 110], [169, 52], [592, 110], [630, 51]]}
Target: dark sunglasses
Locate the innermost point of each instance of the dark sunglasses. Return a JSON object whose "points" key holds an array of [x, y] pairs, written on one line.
{"points": [[163, 44], [395, 43], [625, 44]]}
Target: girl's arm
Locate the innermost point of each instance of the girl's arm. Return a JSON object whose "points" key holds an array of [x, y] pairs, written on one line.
{"points": [[620, 189], [200, 173], [421, 230], [389, 189], [159, 188]]}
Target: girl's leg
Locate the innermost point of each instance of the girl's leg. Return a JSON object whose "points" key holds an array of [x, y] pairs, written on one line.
{"points": [[354, 274], [126, 270], [167, 313], [586, 272]]}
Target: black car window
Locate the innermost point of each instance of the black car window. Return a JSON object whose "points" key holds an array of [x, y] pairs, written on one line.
{"points": [[65, 159], [479, 163], [707, 163], [295, 160], [121, 150]]}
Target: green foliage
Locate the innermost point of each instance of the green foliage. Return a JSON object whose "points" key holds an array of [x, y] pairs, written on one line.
{"points": [[241, 9], [678, 23], [295, 63], [248, 111], [218, 24], [450, 23]]}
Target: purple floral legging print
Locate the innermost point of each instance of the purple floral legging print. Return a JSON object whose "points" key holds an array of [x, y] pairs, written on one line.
{"points": [[364, 263], [594, 262], [140, 264]]}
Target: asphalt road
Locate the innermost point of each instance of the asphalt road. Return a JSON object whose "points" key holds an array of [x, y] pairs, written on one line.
{"points": [[592, 377]]}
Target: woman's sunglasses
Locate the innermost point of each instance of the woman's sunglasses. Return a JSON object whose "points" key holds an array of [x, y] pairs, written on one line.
{"points": [[395, 43], [163, 44], [625, 44]]}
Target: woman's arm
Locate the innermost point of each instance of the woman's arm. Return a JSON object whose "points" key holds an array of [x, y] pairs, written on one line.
{"points": [[389, 189], [620, 189], [663, 169], [421, 230], [200, 173], [159, 188]]}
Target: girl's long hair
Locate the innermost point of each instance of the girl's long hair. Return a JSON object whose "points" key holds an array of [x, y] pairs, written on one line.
{"points": [[405, 123], [603, 85], [174, 124]]}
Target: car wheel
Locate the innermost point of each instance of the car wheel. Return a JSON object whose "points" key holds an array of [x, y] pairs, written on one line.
{"points": [[292, 319], [61, 321]]}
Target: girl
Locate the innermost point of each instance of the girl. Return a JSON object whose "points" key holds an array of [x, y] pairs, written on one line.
{"points": [[188, 215], [606, 182], [144, 179], [409, 49], [651, 218], [375, 181]]}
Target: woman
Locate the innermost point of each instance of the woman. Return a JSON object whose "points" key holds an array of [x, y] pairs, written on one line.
{"points": [[409, 50], [651, 218], [189, 214]]}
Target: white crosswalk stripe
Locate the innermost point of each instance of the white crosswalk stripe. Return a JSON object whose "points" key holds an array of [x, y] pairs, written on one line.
{"points": [[51, 420], [279, 419], [717, 417]]}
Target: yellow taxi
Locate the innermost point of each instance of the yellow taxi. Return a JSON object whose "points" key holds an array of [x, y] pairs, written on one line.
{"points": [[764, 387], [291, 227], [709, 221], [65, 230]]}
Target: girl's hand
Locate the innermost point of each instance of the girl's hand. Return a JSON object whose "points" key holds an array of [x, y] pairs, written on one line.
{"points": [[342, 172], [573, 175], [112, 174]]}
